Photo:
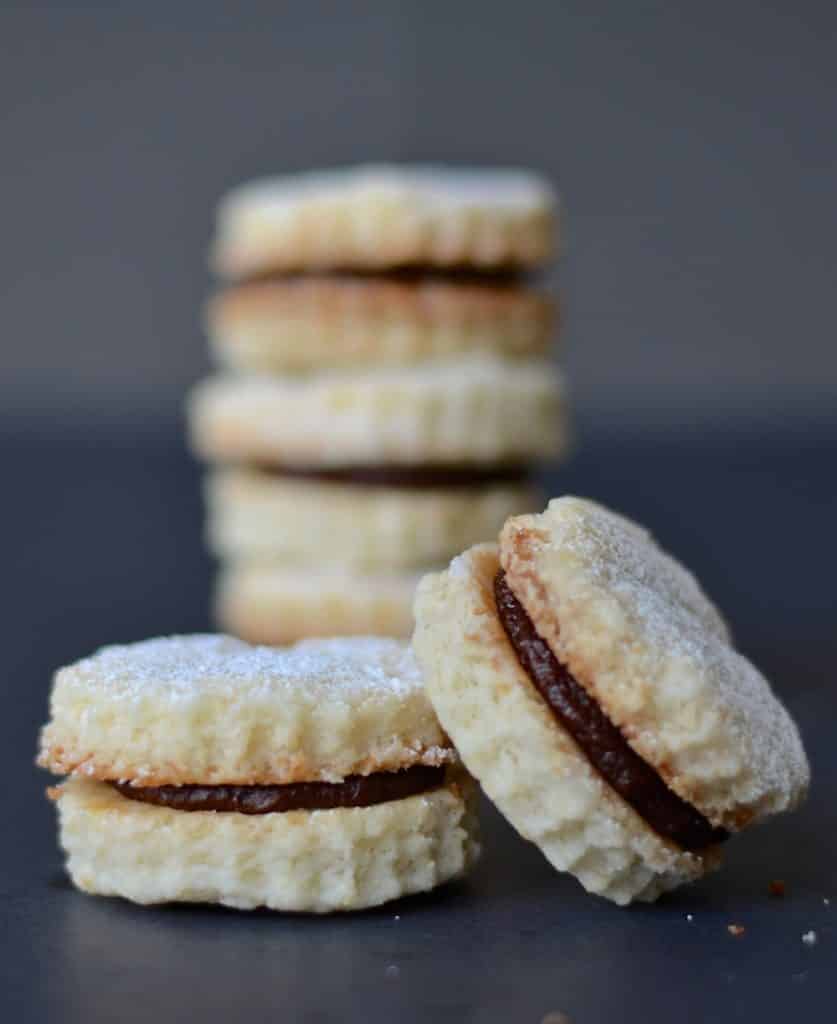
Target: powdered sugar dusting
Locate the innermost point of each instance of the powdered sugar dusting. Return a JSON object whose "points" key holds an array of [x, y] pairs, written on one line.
{"points": [[427, 186], [351, 669], [658, 592]]}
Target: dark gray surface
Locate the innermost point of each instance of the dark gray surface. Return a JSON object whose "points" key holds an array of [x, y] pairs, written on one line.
{"points": [[102, 544], [693, 142]]}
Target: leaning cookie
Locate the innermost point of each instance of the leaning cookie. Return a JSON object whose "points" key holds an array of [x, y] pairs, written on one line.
{"points": [[380, 217], [388, 520], [276, 603], [593, 689], [204, 770], [474, 410]]}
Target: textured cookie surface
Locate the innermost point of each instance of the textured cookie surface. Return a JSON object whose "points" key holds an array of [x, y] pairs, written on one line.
{"points": [[635, 629], [319, 861], [257, 516], [376, 217], [279, 604], [213, 710], [302, 324], [528, 765], [480, 410]]}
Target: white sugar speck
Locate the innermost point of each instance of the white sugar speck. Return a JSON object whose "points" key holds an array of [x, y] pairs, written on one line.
{"points": [[392, 971], [690, 917], [826, 902], [810, 938]]}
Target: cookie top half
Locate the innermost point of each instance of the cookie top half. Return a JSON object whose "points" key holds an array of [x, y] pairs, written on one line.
{"points": [[383, 217], [209, 709], [471, 411], [636, 631]]}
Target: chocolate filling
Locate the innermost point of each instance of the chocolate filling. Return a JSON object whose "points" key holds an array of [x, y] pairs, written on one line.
{"points": [[602, 742], [353, 791], [422, 476], [505, 276]]}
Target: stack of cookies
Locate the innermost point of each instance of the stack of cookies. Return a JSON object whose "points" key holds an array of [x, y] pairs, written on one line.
{"points": [[383, 389]]}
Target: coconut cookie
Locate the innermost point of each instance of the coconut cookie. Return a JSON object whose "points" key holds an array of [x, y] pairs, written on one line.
{"points": [[479, 410], [298, 325], [203, 770], [594, 691], [364, 520], [379, 217], [275, 603]]}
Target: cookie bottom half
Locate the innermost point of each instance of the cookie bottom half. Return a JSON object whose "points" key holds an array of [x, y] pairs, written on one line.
{"points": [[266, 604], [304, 324], [255, 515], [316, 861]]}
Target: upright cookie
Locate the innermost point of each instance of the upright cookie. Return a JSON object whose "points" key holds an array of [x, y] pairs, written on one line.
{"points": [[305, 324], [204, 770], [380, 217], [593, 689]]}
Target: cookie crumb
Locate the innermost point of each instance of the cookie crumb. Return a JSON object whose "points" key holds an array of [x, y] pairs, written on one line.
{"points": [[810, 938], [736, 930], [776, 888], [556, 1017]]}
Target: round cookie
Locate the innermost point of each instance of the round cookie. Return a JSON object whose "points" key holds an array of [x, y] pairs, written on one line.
{"points": [[274, 603], [380, 217], [313, 778], [481, 410], [255, 515], [592, 688], [299, 325]]}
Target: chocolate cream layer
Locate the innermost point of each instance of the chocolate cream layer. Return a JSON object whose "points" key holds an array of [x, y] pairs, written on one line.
{"points": [[406, 476], [353, 791], [503, 277], [605, 747]]}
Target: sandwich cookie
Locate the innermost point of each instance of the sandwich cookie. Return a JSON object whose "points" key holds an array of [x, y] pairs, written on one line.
{"points": [[593, 689], [300, 325], [389, 519], [380, 217], [204, 770], [481, 410], [275, 603]]}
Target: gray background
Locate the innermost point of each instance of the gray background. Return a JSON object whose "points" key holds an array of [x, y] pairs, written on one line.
{"points": [[694, 145]]}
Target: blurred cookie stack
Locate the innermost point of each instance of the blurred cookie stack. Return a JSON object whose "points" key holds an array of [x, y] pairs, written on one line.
{"points": [[384, 387]]}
